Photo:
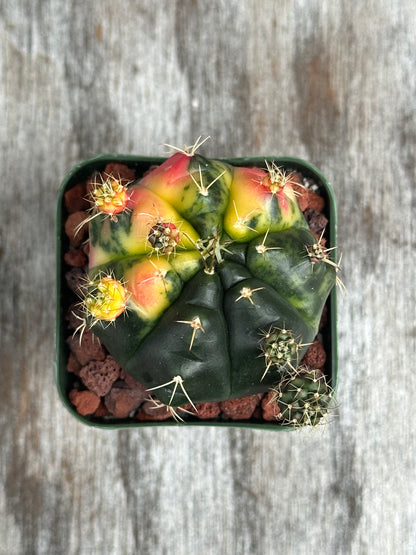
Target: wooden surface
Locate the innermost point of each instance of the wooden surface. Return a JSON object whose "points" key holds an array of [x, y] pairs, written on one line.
{"points": [[330, 81]]}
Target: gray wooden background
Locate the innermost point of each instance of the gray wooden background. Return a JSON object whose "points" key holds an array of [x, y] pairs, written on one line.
{"points": [[330, 81]]}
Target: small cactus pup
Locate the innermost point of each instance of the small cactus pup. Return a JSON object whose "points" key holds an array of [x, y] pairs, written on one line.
{"points": [[303, 398], [205, 282]]}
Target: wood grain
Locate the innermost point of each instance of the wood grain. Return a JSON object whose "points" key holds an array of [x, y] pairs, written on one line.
{"points": [[329, 81]]}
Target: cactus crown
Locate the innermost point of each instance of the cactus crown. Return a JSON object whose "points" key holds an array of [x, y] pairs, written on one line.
{"points": [[277, 178], [279, 348], [110, 196], [106, 299], [163, 237]]}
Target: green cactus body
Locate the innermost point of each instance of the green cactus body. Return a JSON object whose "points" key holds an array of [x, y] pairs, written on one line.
{"points": [[197, 187], [204, 287], [190, 340], [257, 206], [282, 260], [303, 398], [130, 233]]}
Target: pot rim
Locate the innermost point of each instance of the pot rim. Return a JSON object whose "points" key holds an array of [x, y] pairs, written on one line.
{"points": [[83, 170]]}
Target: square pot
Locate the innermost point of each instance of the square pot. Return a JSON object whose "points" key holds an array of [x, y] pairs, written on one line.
{"points": [[140, 164]]}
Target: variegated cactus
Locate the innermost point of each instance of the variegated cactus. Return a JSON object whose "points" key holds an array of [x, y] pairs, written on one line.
{"points": [[205, 281]]}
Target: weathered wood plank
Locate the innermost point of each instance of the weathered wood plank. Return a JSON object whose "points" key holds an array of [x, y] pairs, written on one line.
{"points": [[332, 82]]}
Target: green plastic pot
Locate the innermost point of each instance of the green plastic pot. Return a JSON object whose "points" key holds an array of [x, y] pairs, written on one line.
{"points": [[81, 172]]}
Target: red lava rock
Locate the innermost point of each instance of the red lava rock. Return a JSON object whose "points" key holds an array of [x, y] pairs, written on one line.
{"points": [[316, 220], [239, 409], [309, 199], [101, 411], [75, 257], [85, 402], [122, 400], [120, 171], [315, 202], [257, 414], [88, 349], [75, 198], [99, 376], [150, 412], [75, 279], [315, 356], [130, 381], [204, 411], [73, 365], [207, 410], [71, 224], [270, 410]]}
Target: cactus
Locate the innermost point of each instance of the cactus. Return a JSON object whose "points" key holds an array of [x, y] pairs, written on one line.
{"points": [[303, 398], [205, 282]]}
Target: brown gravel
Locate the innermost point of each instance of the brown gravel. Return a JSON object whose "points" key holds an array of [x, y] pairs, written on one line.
{"points": [[101, 411], [204, 411], [309, 199], [129, 380], [207, 410], [122, 400], [85, 402], [120, 171], [150, 412], [73, 365], [76, 257], [76, 236], [269, 409], [75, 198], [239, 409], [317, 221], [99, 376], [75, 279], [89, 349], [315, 356]]}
